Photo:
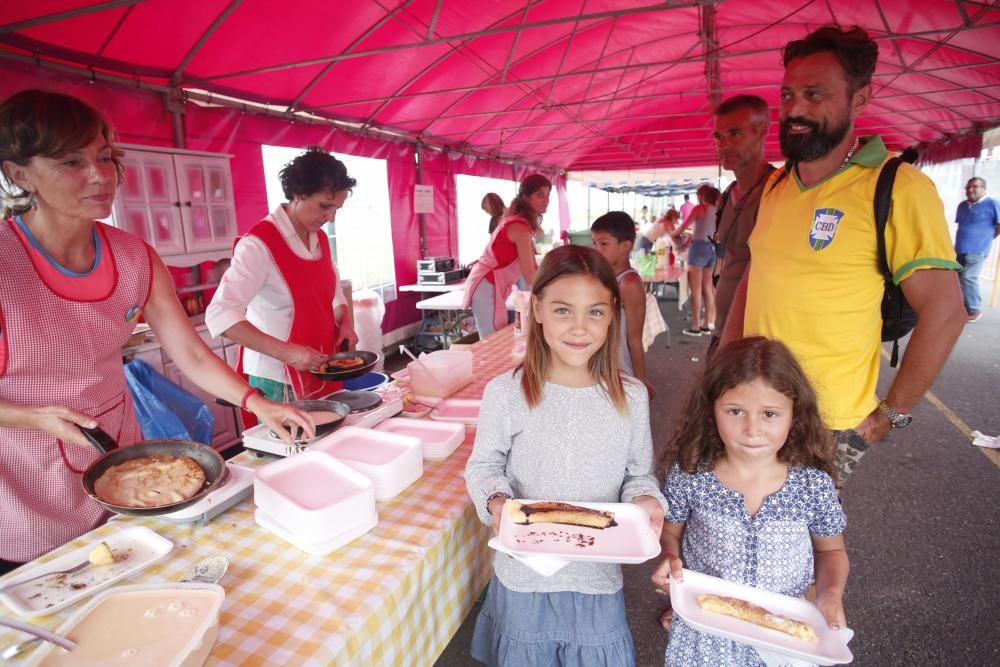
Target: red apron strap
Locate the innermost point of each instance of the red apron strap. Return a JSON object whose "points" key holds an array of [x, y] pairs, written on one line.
{"points": [[311, 285]]}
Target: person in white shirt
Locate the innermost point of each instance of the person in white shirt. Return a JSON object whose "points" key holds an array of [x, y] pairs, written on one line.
{"points": [[281, 297]]}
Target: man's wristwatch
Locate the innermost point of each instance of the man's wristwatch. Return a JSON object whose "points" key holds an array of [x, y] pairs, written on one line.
{"points": [[896, 419]]}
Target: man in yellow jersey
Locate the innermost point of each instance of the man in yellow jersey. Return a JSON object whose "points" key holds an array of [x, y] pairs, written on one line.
{"points": [[814, 280]]}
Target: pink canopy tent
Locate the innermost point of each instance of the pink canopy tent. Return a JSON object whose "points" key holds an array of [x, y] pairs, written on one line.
{"points": [[496, 88], [572, 84]]}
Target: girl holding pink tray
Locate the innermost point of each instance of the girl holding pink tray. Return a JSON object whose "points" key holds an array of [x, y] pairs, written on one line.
{"points": [[565, 425], [751, 495]]}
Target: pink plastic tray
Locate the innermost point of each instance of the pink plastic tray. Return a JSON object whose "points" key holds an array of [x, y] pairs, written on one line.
{"points": [[631, 541], [465, 410], [437, 439], [391, 461], [832, 647]]}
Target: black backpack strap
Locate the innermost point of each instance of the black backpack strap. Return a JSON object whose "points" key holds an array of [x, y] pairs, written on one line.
{"points": [[723, 200], [882, 203]]}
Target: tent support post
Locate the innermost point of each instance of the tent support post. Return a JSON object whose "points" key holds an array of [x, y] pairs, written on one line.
{"points": [[420, 216], [174, 103]]}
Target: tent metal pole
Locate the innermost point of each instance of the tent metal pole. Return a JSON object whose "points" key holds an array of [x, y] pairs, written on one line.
{"points": [[59, 16], [662, 6], [400, 91], [434, 19], [216, 24], [365, 35], [532, 79], [421, 217]]}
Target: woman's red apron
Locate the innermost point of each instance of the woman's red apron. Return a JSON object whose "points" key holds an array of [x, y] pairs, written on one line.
{"points": [[504, 277], [61, 352], [311, 284]]}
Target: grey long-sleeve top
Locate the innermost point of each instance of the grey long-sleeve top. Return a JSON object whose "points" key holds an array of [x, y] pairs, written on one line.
{"points": [[574, 446]]}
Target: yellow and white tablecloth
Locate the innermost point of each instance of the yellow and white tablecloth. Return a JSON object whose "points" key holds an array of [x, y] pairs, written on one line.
{"points": [[394, 596]]}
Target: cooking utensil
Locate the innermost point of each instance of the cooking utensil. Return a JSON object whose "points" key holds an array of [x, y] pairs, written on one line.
{"points": [[358, 401], [75, 568], [323, 405], [40, 634], [210, 570], [209, 460], [369, 359]]}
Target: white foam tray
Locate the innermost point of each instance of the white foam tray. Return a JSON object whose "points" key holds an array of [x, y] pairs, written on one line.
{"points": [[832, 647], [135, 547], [392, 462], [317, 548], [437, 439], [314, 496]]}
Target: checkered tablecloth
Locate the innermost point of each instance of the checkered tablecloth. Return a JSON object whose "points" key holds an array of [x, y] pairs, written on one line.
{"points": [[394, 596]]}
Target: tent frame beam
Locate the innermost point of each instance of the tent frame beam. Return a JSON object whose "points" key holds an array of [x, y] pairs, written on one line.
{"points": [[69, 14]]}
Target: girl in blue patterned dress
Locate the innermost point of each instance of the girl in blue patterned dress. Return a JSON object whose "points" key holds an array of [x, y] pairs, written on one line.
{"points": [[751, 498]]}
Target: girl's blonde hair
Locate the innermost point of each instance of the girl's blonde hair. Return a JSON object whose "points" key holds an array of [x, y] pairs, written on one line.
{"points": [[519, 206], [574, 260], [697, 440]]}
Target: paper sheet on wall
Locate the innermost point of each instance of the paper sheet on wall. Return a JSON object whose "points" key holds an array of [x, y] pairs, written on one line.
{"points": [[423, 198]]}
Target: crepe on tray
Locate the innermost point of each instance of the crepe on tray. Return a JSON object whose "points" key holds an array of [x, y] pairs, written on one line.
{"points": [[558, 512], [747, 611]]}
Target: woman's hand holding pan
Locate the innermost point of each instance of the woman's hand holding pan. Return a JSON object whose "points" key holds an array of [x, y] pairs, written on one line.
{"points": [[62, 423], [285, 420]]}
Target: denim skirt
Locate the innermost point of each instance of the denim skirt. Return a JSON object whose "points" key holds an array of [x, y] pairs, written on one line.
{"points": [[701, 254], [552, 629]]}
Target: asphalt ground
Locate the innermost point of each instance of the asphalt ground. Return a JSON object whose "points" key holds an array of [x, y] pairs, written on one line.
{"points": [[923, 513]]}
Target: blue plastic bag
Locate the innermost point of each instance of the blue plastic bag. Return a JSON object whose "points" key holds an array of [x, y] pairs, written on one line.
{"points": [[165, 410]]}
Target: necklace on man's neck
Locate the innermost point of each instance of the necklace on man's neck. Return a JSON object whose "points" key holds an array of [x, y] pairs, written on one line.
{"points": [[850, 153]]}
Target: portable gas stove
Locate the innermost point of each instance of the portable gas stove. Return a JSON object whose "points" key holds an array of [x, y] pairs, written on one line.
{"points": [[260, 440]]}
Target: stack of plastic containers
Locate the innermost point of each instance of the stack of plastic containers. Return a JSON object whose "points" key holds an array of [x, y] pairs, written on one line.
{"points": [[314, 501], [391, 461]]}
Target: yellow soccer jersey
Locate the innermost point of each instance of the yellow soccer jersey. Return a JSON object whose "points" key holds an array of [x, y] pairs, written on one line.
{"points": [[815, 282]]}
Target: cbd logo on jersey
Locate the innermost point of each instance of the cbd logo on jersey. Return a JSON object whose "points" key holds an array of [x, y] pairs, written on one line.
{"points": [[824, 227]]}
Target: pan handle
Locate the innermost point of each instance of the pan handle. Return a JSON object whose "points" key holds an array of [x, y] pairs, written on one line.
{"points": [[99, 439]]}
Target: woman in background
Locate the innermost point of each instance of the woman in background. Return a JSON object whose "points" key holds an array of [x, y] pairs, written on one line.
{"points": [[509, 255], [701, 260], [281, 297], [71, 293], [493, 205]]}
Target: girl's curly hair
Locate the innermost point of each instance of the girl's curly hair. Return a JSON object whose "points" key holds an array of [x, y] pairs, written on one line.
{"points": [[697, 440]]}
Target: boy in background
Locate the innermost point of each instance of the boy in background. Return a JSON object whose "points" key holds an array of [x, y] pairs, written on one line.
{"points": [[614, 235]]}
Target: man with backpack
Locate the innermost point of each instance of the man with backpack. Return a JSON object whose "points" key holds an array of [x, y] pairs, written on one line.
{"points": [[815, 279]]}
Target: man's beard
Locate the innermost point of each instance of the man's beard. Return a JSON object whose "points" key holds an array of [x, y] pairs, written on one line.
{"points": [[812, 145]]}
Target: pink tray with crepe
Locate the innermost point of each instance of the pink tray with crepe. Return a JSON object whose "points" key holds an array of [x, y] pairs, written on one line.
{"points": [[631, 541], [830, 650]]}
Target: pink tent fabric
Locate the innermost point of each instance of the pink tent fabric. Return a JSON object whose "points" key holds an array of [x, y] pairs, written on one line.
{"points": [[571, 84]]}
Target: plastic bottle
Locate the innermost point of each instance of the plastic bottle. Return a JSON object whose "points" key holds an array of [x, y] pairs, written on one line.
{"points": [[521, 300]]}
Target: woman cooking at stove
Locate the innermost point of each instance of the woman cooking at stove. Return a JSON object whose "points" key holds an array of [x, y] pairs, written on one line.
{"points": [[281, 298], [71, 292]]}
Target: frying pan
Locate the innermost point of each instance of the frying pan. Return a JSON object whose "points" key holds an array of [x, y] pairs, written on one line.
{"points": [[370, 359], [322, 406], [210, 461]]}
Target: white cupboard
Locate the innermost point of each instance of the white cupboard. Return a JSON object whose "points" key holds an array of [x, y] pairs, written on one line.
{"points": [[180, 202]]}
